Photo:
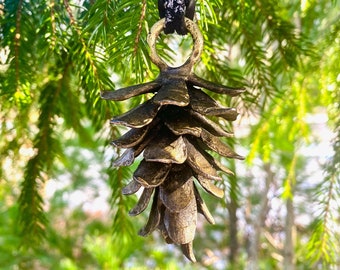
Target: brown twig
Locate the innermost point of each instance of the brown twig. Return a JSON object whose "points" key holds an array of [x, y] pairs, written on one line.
{"points": [[17, 38], [140, 27], [53, 39]]}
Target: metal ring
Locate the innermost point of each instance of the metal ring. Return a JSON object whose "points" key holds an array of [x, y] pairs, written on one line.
{"points": [[196, 36]]}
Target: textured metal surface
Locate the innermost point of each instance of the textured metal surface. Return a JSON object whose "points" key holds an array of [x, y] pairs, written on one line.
{"points": [[154, 216], [210, 125], [199, 163], [174, 92], [209, 187], [142, 202], [215, 144], [151, 174], [214, 87], [204, 104], [184, 125], [178, 175], [139, 116], [200, 101], [126, 159], [217, 165], [131, 188], [188, 251], [202, 207], [131, 91], [131, 138], [193, 30], [161, 226], [150, 136], [181, 225], [178, 199], [166, 149]]}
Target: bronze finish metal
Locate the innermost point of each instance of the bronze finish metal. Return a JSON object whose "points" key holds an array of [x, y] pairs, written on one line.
{"points": [[173, 130]]}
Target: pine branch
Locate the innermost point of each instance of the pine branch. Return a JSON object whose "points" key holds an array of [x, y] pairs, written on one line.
{"points": [[62, 53], [32, 219], [90, 68], [124, 53], [284, 36], [208, 13], [239, 17], [122, 225], [324, 243], [18, 35], [99, 23]]}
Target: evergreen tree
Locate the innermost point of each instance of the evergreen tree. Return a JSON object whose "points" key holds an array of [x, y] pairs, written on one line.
{"points": [[56, 58]]}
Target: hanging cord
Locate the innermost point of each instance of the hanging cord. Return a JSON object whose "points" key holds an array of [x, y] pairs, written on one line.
{"points": [[174, 12]]}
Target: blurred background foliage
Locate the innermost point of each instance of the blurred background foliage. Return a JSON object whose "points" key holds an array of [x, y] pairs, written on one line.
{"points": [[61, 205]]}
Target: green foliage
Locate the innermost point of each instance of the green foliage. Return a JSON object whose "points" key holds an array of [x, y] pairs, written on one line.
{"points": [[56, 57], [323, 245]]}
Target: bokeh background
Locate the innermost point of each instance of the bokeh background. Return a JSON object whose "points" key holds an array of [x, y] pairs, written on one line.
{"points": [[61, 205]]}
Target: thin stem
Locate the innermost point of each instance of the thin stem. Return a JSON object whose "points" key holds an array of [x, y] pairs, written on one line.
{"points": [[17, 38], [140, 27]]}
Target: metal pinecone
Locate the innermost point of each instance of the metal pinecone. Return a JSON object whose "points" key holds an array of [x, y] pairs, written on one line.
{"points": [[173, 131]]}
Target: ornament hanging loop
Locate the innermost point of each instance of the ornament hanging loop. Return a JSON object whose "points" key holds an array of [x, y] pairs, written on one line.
{"points": [[197, 44]]}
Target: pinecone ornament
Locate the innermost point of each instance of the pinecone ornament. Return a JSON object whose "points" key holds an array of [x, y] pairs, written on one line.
{"points": [[173, 132]]}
